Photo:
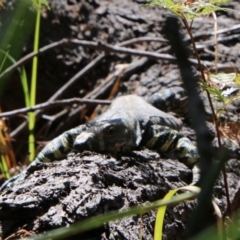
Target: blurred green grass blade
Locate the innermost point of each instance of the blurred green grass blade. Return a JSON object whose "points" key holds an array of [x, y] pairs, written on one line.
{"points": [[12, 23], [98, 221], [23, 77], [1, 168], [158, 229], [3, 60], [32, 118], [24, 82], [18, 21], [35, 59], [4, 168]]}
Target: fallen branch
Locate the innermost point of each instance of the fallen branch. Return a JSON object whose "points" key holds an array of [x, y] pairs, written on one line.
{"points": [[104, 47], [211, 33], [66, 41], [56, 103]]}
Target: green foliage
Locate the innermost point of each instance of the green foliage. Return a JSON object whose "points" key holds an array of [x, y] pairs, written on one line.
{"points": [[11, 49], [190, 8], [22, 73], [222, 78], [22, 10], [223, 87], [215, 92], [23, 77], [3, 60], [39, 3], [20, 21]]}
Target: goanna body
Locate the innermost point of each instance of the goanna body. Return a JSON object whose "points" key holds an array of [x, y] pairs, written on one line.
{"points": [[130, 122]]}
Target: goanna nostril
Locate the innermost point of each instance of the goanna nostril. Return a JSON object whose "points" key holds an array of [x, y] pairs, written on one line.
{"points": [[82, 141]]}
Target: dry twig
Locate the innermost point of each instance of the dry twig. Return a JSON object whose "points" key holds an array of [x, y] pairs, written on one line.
{"points": [[57, 103]]}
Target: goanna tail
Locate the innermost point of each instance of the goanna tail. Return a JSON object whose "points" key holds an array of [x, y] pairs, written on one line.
{"points": [[59, 146], [54, 150]]}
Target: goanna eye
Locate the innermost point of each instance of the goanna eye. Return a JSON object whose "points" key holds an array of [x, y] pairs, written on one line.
{"points": [[110, 131]]}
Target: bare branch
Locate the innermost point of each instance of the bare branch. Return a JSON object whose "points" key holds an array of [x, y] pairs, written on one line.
{"points": [[66, 41], [56, 103], [83, 71], [77, 76], [104, 47], [211, 33]]}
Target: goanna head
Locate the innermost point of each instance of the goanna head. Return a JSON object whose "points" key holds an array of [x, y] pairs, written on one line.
{"points": [[107, 136]]}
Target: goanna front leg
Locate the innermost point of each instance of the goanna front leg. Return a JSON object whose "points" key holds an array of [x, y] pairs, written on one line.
{"points": [[164, 139], [54, 150]]}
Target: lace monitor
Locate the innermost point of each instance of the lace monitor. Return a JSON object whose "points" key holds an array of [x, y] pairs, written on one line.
{"points": [[130, 122]]}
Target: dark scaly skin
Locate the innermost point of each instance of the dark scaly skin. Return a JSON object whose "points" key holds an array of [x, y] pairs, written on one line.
{"points": [[164, 139], [170, 100], [128, 123]]}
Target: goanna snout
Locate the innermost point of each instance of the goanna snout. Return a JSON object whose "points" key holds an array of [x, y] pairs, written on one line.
{"points": [[83, 141]]}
